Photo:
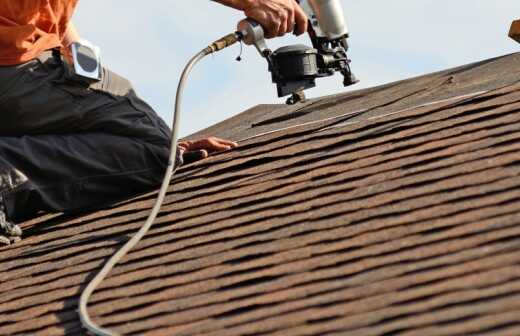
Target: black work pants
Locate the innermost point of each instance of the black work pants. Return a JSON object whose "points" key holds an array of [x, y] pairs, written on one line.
{"points": [[81, 146]]}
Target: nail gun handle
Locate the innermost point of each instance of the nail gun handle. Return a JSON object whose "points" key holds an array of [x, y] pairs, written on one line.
{"points": [[253, 34]]}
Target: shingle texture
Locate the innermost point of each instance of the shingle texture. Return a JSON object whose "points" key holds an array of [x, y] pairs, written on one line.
{"points": [[388, 211]]}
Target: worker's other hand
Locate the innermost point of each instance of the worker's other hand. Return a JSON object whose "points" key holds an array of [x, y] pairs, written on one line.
{"points": [[200, 149], [277, 17]]}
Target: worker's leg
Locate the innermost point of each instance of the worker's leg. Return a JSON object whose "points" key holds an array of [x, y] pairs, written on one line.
{"points": [[78, 172], [39, 98], [80, 146]]}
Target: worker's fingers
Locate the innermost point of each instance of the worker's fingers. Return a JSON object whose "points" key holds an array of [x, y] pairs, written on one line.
{"points": [[285, 21], [185, 144], [272, 26], [212, 145], [265, 19], [223, 142], [230, 143], [291, 21], [301, 20]]}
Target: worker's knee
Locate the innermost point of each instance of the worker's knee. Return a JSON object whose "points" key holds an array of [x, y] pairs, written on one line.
{"points": [[122, 112], [154, 128], [159, 156]]}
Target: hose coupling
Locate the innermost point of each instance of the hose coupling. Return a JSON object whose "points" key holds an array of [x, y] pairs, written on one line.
{"points": [[224, 42]]}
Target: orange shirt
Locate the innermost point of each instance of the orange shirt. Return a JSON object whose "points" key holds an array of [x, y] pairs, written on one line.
{"points": [[28, 27]]}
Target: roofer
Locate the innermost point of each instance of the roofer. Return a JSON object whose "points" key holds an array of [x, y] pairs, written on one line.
{"points": [[68, 145]]}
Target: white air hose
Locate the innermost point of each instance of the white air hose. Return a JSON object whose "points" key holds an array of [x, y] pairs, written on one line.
{"points": [[85, 296]]}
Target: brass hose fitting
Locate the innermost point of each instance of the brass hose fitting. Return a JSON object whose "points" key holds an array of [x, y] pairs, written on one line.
{"points": [[224, 42]]}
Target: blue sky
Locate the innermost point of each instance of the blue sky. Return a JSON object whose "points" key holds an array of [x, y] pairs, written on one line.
{"points": [[149, 43]]}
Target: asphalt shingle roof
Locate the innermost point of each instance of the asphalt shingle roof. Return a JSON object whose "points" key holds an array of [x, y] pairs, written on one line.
{"points": [[388, 211]]}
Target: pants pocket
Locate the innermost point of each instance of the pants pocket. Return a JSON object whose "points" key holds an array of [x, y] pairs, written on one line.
{"points": [[77, 90], [37, 105], [10, 76]]}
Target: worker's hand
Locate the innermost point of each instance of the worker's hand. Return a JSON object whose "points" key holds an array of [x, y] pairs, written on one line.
{"points": [[71, 35], [277, 17], [200, 149]]}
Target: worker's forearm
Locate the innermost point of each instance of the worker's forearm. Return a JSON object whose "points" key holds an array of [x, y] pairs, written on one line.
{"points": [[71, 35]]}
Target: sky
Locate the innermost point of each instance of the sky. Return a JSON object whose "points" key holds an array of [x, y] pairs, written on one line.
{"points": [[149, 42]]}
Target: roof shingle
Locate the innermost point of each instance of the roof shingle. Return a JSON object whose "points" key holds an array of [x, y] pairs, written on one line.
{"points": [[402, 218]]}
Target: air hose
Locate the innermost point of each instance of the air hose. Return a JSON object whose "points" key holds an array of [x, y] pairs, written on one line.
{"points": [[218, 45]]}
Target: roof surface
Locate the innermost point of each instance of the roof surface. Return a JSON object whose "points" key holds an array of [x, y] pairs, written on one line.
{"points": [[388, 211]]}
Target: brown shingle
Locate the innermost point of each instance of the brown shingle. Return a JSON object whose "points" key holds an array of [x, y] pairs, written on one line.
{"points": [[400, 219]]}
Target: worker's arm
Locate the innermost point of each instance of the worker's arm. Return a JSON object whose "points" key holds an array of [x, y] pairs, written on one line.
{"points": [[276, 16], [71, 35]]}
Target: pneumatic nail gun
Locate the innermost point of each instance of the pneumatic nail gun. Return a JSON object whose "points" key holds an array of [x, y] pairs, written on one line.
{"points": [[295, 68]]}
